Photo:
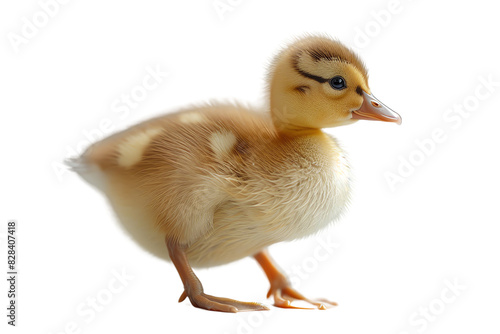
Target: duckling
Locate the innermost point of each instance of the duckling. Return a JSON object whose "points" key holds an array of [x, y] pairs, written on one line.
{"points": [[209, 185]]}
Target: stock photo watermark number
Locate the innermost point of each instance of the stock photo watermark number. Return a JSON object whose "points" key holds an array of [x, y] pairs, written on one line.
{"points": [[11, 273]]}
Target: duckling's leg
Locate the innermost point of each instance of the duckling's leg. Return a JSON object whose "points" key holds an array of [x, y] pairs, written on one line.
{"points": [[281, 289], [194, 290]]}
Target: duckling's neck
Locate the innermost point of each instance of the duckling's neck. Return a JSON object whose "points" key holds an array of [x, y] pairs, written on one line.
{"points": [[282, 115], [290, 130]]}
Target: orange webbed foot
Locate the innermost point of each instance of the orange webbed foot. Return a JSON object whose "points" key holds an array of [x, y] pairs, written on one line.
{"points": [[281, 289]]}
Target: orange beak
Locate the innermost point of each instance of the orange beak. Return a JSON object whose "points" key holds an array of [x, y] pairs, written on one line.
{"points": [[374, 110]]}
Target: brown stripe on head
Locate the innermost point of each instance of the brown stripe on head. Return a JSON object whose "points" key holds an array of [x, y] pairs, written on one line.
{"points": [[315, 56]]}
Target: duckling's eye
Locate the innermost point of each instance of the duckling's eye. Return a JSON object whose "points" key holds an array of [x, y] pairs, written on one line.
{"points": [[338, 82]]}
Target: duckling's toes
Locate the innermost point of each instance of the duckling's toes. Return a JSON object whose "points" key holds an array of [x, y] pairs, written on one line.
{"points": [[206, 302], [213, 303], [285, 296], [327, 302], [241, 306], [281, 289], [280, 301]]}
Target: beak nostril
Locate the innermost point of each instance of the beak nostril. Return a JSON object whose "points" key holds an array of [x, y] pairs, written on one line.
{"points": [[375, 104]]}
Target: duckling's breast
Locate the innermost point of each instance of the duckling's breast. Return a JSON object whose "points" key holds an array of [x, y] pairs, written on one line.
{"points": [[284, 191]]}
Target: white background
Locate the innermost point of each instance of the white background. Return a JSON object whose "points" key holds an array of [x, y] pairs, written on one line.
{"points": [[395, 249]]}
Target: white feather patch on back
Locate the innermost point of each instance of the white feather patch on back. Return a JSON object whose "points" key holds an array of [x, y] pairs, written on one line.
{"points": [[191, 117], [131, 149], [222, 142]]}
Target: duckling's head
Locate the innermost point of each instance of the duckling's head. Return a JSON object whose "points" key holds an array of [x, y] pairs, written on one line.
{"points": [[318, 83]]}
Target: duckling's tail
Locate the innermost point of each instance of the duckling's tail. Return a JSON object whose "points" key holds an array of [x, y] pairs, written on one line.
{"points": [[89, 171], [77, 164]]}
